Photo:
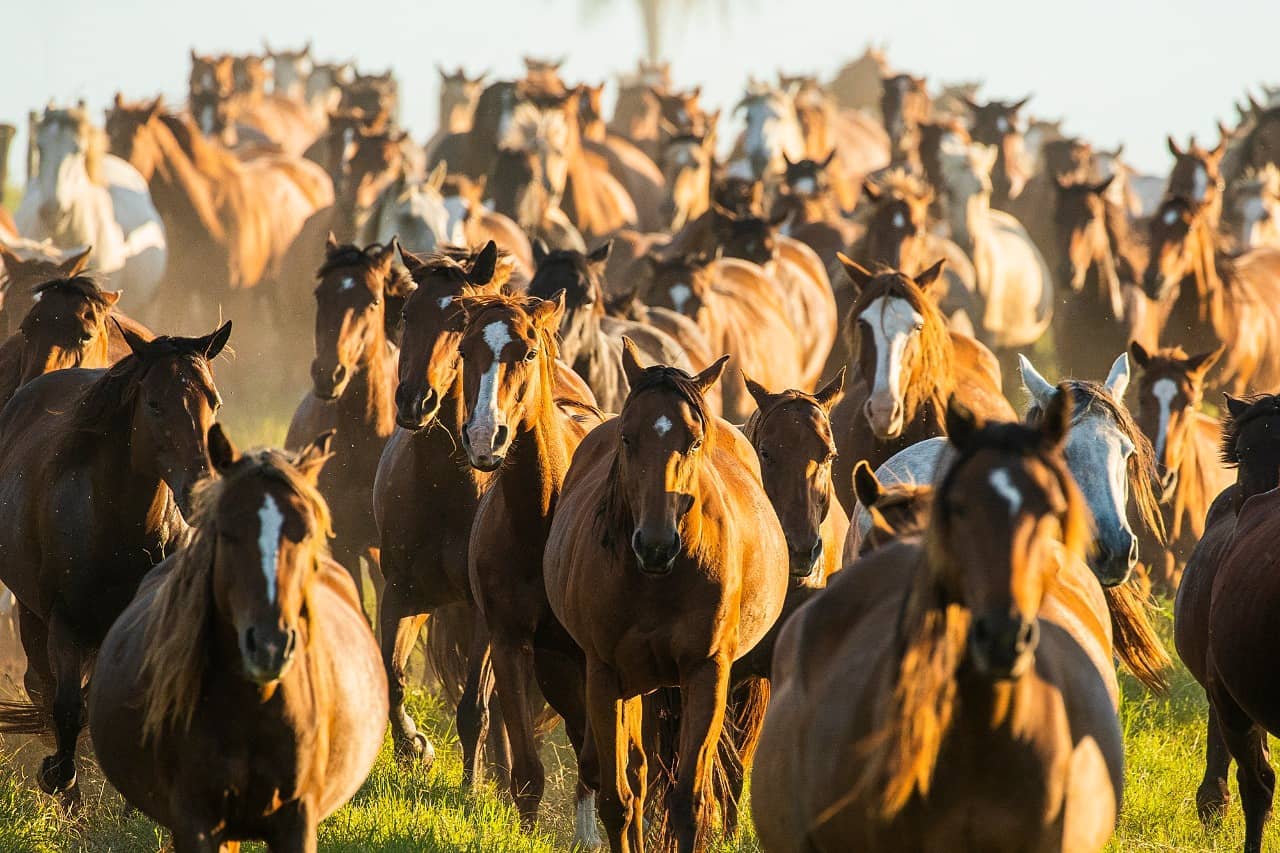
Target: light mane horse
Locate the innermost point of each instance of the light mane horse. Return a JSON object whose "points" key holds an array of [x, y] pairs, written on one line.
{"points": [[82, 196], [772, 132]]}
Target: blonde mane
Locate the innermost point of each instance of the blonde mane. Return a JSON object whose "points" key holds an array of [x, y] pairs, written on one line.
{"points": [[181, 616]]}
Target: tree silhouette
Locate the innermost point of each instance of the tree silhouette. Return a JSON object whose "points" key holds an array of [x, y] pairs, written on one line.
{"points": [[654, 15]]}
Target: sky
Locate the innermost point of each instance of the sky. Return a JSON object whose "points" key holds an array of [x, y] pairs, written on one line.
{"points": [[1116, 70]]}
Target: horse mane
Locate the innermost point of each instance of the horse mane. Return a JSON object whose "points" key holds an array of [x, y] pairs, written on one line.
{"points": [[613, 514], [783, 398], [80, 285], [1260, 406], [1092, 397], [99, 405], [179, 620], [457, 261], [918, 703], [902, 183]]}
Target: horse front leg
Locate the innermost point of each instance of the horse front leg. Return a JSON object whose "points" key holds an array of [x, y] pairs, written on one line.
{"points": [[621, 814], [1247, 743], [58, 771], [1212, 796], [401, 625], [513, 670], [472, 716], [704, 690], [293, 829]]}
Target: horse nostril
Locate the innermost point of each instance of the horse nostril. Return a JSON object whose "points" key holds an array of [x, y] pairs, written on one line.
{"points": [[500, 437], [339, 373], [1027, 636], [249, 643], [1133, 550]]}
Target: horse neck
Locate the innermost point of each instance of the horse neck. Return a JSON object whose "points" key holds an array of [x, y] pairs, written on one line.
{"points": [[183, 194], [971, 223], [932, 379], [541, 450], [369, 399]]}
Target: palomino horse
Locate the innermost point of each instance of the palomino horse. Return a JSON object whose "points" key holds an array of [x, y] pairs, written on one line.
{"points": [[244, 663], [353, 384], [1092, 307], [228, 223], [1204, 298], [1185, 440], [82, 196], [516, 426], [904, 366], [664, 563], [591, 341], [414, 210], [946, 660], [741, 312], [1012, 278], [996, 123], [1252, 208], [97, 469], [1249, 444]]}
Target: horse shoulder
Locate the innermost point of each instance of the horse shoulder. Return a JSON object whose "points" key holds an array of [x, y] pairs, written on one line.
{"points": [[1077, 605]]}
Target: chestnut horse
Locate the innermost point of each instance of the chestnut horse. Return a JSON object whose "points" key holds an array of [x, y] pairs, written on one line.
{"points": [[1205, 298], [664, 563], [997, 123], [1249, 431], [1185, 440], [244, 663], [24, 269], [892, 511], [905, 364], [353, 382], [516, 426], [97, 469], [740, 311], [930, 666]]}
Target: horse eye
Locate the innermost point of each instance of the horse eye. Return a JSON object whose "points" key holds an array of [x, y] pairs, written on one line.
{"points": [[919, 327], [531, 355], [154, 406], [696, 446], [765, 456]]}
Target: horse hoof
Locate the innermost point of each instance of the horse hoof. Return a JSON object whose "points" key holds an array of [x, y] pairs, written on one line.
{"points": [[417, 750], [53, 778]]}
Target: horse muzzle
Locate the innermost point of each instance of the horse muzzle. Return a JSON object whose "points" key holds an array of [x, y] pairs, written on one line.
{"points": [[415, 408], [486, 445], [1114, 558], [1003, 645], [328, 383], [885, 415], [805, 561], [266, 652], [655, 557]]}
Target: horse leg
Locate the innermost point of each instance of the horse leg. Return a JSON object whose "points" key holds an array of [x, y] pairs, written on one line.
{"points": [[513, 670], [400, 629], [1247, 743], [472, 717], [373, 562], [35, 643], [1212, 795], [703, 694], [561, 678], [293, 829], [622, 816], [497, 744], [637, 766], [58, 771]]}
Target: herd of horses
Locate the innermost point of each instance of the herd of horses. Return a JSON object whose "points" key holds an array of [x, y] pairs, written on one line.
{"points": [[699, 443]]}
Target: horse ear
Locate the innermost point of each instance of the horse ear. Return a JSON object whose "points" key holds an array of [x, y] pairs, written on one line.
{"points": [[74, 265], [711, 375], [1057, 418], [871, 191], [601, 253], [548, 312], [111, 297], [330, 243], [1118, 379], [1235, 406], [931, 280], [1139, 354], [832, 392], [1018, 105], [540, 251], [222, 453], [388, 252], [412, 262], [157, 107], [212, 343], [137, 344], [859, 275], [961, 423], [1201, 364], [787, 160], [1173, 146], [310, 459], [631, 365], [1037, 386], [758, 392], [485, 264], [826, 161], [866, 486], [1101, 187]]}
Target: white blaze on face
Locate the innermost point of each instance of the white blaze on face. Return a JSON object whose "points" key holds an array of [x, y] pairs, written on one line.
{"points": [[1170, 216], [1252, 210], [680, 294], [662, 425], [1003, 484], [484, 421], [1002, 124], [445, 301], [898, 219], [1164, 390], [892, 322], [1199, 182], [348, 282], [805, 185], [206, 118], [270, 522]]}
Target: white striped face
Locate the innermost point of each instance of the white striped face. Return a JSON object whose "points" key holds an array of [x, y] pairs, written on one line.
{"points": [[270, 526], [892, 324], [1164, 390], [487, 435], [680, 294], [1003, 484]]}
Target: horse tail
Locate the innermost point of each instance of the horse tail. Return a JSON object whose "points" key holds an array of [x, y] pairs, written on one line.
{"points": [[24, 718], [1136, 642], [446, 647]]}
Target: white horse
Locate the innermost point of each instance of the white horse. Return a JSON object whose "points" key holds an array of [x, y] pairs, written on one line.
{"points": [[81, 196], [1012, 277], [1252, 208], [1098, 453], [416, 212], [772, 132]]}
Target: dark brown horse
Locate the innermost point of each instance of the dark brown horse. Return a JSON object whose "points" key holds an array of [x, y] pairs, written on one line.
{"points": [[1185, 441], [895, 510], [664, 563], [1197, 175], [353, 383], [1249, 444], [21, 275], [997, 123], [905, 365], [904, 104], [515, 425], [97, 469], [987, 637], [243, 664]]}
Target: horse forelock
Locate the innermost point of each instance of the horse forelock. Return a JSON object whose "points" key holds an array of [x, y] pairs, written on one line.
{"points": [[1259, 406], [931, 375]]}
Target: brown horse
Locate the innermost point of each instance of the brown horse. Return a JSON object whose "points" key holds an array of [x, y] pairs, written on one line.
{"points": [[664, 563], [997, 123], [740, 311], [905, 365], [928, 668], [687, 162], [1197, 175], [1205, 298], [464, 199], [904, 104], [228, 222], [21, 273], [1170, 391], [1249, 444], [353, 384], [97, 469], [243, 664], [638, 174], [472, 153], [515, 425], [895, 510]]}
